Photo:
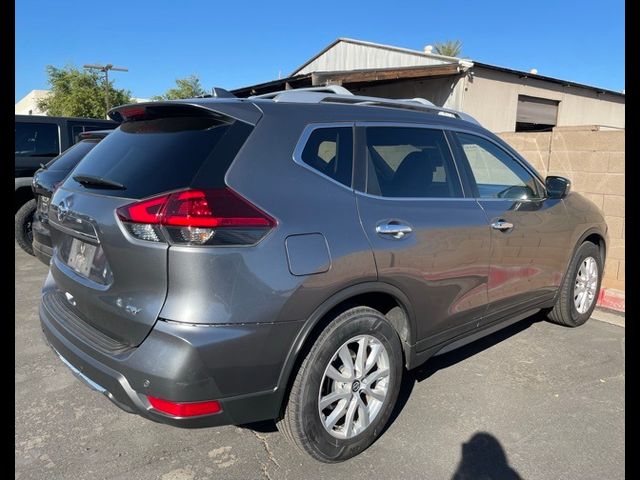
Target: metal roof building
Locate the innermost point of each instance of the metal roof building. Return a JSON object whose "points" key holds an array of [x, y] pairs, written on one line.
{"points": [[502, 99]]}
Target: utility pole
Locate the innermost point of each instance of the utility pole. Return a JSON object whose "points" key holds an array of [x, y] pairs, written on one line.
{"points": [[105, 69]]}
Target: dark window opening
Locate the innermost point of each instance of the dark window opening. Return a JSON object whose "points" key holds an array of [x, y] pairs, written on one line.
{"points": [[536, 114]]}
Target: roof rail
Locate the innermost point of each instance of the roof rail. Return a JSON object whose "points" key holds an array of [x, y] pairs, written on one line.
{"points": [[336, 89], [336, 94], [217, 92]]}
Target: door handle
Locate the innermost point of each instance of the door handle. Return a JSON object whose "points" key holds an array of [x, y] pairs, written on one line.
{"points": [[394, 229], [502, 225]]}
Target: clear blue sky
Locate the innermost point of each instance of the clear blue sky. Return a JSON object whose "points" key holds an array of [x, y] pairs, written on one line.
{"points": [[233, 44]]}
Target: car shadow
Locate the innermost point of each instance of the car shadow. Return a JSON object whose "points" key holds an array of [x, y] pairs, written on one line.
{"points": [[458, 355]]}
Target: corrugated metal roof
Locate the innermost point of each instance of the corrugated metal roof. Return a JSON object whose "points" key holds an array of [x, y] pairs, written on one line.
{"points": [[349, 54], [418, 54]]}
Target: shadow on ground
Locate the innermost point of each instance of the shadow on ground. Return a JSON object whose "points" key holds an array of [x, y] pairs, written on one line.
{"points": [[484, 458], [432, 366]]}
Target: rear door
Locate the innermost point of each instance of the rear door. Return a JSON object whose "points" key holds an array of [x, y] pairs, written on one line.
{"points": [[428, 239], [530, 234], [115, 277]]}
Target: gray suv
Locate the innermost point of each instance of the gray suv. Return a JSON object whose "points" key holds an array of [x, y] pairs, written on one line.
{"points": [[225, 261]]}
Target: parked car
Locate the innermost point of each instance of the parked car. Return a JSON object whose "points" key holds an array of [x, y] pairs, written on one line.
{"points": [[46, 179], [37, 140], [225, 261]]}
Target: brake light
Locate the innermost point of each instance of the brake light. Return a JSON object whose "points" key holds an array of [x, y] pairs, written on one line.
{"points": [[201, 217], [133, 112], [188, 409]]}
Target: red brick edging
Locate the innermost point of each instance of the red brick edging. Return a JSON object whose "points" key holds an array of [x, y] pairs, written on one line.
{"points": [[613, 299]]}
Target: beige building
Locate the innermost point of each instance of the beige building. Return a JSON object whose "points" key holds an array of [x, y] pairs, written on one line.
{"points": [[27, 105], [502, 99]]}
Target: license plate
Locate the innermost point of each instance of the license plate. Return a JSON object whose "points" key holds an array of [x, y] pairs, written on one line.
{"points": [[81, 257]]}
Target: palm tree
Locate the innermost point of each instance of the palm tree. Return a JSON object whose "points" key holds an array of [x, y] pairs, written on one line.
{"points": [[450, 48]]}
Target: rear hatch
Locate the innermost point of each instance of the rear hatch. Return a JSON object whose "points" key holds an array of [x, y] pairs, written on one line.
{"points": [[113, 274]]}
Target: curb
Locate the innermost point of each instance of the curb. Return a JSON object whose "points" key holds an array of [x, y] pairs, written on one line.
{"points": [[611, 299]]}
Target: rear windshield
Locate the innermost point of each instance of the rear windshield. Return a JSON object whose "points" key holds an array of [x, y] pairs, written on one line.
{"points": [[161, 154], [71, 156]]}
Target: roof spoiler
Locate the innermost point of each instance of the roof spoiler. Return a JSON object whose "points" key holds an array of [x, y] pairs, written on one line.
{"points": [[243, 111]]}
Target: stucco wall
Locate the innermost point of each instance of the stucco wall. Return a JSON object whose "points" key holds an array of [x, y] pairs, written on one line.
{"points": [[492, 97], [594, 161]]}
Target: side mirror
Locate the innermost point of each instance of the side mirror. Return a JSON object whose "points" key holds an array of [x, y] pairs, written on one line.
{"points": [[557, 187]]}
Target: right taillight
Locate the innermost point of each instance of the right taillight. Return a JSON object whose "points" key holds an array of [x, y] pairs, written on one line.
{"points": [[197, 217]]}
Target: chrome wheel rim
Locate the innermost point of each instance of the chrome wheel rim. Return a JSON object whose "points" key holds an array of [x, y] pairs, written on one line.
{"points": [[584, 291], [354, 386]]}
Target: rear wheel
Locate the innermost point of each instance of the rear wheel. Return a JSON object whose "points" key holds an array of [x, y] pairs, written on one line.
{"points": [[346, 387], [23, 223], [579, 292]]}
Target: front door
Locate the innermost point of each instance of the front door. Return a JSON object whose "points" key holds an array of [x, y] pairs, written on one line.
{"points": [[428, 239], [529, 233]]}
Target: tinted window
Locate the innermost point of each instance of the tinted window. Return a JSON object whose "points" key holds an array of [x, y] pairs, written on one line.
{"points": [[330, 151], [497, 174], [71, 156], [162, 154], [410, 162], [37, 139]]}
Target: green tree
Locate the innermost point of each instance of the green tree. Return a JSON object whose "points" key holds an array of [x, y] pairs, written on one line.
{"points": [[188, 87], [450, 48], [78, 93]]}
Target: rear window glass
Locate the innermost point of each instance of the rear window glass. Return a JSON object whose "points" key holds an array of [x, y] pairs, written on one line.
{"points": [[157, 155], [71, 156], [37, 139]]}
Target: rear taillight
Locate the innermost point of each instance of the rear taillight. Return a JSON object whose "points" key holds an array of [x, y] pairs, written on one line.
{"points": [[197, 217]]}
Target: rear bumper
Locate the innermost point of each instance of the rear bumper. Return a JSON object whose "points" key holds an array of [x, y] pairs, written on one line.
{"points": [[41, 241], [173, 363]]}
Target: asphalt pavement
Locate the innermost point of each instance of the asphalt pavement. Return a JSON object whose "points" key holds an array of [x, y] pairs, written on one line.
{"points": [[534, 401]]}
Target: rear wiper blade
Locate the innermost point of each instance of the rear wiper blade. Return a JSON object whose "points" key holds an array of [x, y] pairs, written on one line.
{"points": [[99, 182]]}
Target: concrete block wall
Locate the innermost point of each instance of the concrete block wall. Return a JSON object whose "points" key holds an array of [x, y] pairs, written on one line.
{"points": [[593, 159]]}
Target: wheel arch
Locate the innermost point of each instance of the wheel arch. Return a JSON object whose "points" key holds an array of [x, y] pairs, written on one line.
{"points": [[593, 235], [381, 296]]}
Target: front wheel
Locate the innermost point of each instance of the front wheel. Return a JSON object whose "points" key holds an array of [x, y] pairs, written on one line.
{"points": [[346, 387], [579, 292], [23, 223]]}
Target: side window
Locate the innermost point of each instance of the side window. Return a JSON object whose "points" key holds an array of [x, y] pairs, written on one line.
{"points": [[410, 162], [497, 174], [330, 152], [37, 139]]}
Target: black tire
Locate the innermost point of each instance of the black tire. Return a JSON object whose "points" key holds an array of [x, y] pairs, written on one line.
{"points": [[564, 311], [301, 423], [24, 220]]}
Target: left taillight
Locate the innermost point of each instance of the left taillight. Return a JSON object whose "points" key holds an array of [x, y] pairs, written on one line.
{"points": [[197, 217]]}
